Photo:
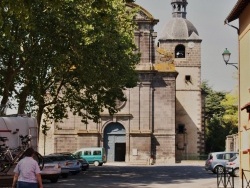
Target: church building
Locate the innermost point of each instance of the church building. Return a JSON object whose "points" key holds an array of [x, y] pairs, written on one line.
{"points": [[162, 117]]}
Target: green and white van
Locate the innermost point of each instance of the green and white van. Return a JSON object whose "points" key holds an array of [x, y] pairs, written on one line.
{"points": [[94, 155]]}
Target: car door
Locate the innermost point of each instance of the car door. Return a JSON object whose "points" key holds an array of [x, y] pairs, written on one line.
{"points": [[87, 154]]}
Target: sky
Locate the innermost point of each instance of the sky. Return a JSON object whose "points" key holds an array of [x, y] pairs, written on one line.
{"points": [[208, 18]]}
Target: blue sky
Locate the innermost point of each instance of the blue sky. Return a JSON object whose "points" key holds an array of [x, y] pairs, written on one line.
{"points": [[208, 18]]}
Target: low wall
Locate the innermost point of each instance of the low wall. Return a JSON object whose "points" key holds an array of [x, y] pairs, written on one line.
{"points": [[6, 181]]}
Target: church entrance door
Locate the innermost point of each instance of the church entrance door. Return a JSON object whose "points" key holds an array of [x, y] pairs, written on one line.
{"points": [[115, 142]]}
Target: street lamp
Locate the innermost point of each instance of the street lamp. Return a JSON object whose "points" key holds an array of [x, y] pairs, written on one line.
{"points": [[226, 56]]}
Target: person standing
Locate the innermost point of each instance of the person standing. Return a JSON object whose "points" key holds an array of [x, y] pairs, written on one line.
{"points": [[27, 172]]}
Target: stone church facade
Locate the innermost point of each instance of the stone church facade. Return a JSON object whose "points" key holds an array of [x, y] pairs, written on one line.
{"points": [[162, 117]]}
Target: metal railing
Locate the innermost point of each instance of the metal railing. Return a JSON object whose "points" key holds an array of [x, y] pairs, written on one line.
{"points": [[245, 181], [224, 179]]}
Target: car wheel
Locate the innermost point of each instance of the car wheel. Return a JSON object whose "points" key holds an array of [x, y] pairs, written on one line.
{"points": [[54, 180], [236, 172], [65, 175], [96, 163], [219, 169]]}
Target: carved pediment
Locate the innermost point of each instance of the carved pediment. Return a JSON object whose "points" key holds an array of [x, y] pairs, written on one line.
{"points": [[142, 16]]}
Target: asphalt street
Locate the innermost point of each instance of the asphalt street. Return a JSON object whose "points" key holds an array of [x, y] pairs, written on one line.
{"points": [[122, 175]]}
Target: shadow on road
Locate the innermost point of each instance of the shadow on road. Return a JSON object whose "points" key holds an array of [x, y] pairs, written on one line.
{"points": [[139, 176]]}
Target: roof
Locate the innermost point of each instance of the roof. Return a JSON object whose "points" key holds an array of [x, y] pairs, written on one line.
{"points": [[143, 14], [237, 10], [179, 28]]}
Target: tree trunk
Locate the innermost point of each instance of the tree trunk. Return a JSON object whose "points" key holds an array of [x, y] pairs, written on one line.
{"points": [[39, 117], [23, 100], [9, 77]]}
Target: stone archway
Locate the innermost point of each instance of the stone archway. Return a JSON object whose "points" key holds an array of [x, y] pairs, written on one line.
{"points": [[115, 142]]}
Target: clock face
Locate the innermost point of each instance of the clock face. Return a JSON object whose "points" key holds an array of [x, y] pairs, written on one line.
{"points": [[190, 44]]}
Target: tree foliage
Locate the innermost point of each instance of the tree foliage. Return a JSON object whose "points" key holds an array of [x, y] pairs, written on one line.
{"points": [[221, 117], [66, 55]]}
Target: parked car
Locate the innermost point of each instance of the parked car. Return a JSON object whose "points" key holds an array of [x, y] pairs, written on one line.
{"points": [[95, 155], [84, 162], [232, 166], [72, 164], [51, 170], [63, 164], [216, 161]]}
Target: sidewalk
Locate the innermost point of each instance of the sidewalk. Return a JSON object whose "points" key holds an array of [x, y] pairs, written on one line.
{"points": [[186, 162]]}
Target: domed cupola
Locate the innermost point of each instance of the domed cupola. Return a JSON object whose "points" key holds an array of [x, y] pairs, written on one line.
{"points": [[179, 27]]}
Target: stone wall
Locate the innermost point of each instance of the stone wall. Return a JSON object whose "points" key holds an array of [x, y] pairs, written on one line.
{"points": [[140, 148], [232, 142]]}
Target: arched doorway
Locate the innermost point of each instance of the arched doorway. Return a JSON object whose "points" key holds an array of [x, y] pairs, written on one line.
{"points": [[115, 142]]}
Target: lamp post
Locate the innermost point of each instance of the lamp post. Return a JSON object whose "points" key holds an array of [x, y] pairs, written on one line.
{"points": [[226, 56]]}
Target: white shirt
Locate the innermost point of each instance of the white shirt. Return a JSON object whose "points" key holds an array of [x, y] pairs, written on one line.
{"points": [[27, 168]]}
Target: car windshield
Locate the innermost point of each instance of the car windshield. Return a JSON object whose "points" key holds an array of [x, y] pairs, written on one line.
{"points": [[74, 156], [47, 160], [69, 157], [57, 158], [68, 154], [82, 159]]}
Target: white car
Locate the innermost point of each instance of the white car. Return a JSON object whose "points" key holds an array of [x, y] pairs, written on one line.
{"points": [[67, 162], [232, 166], [216, 161], [51, 170]]}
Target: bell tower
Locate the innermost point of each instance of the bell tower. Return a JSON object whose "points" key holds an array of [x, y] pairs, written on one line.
{"points": [[180, 37], [179, 8]]}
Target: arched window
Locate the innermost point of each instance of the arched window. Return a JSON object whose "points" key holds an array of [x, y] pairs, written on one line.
{"points": [[180, 51], [179, 7]]}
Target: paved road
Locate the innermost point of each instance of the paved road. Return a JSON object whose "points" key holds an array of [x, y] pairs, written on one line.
{"points": [[120, 175]]}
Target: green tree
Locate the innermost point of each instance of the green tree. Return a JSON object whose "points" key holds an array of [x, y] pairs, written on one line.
{"points": [[221, 117], [71, 55], [230, 104]]}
